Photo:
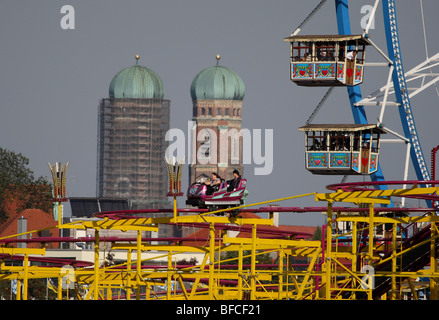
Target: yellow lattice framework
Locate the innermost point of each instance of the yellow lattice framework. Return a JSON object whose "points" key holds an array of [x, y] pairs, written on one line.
{"points": [[345, 264]]}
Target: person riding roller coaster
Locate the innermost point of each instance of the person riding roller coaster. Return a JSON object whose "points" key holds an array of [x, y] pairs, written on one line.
{"points": [[217, 193], [213, 184], [234, 183]]}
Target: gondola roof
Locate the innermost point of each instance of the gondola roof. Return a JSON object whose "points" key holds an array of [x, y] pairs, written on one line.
{"points": [[326, 38], [341, 127]]}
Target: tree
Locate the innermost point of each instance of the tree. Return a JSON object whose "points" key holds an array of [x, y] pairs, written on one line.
{"points": [[317, 234], [18, 185], [37, 290], [191, 262], [231, 257]]}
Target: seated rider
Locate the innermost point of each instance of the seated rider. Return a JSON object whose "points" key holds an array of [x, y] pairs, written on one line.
{"points": [[351, 55], [213, 184], [234, 183]]}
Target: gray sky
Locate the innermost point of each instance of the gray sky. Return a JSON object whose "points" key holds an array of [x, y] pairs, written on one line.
{"points": [[51, 80]]}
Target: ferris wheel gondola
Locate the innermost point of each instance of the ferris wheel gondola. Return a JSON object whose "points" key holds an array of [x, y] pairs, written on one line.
{"points": [[396, 76], [327, 60], [342, 149]]}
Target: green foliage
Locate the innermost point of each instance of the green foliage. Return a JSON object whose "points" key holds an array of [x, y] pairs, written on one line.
{"points": [[109, 260], [263, 258], [191, 261], [17, 183], [5, 290], [37, 290], [317, 234]]}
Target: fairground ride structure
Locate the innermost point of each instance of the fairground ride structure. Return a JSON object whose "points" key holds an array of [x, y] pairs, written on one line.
{"points": [[368, 249]]}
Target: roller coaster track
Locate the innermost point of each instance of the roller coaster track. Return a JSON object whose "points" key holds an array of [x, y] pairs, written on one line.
{"points": [[417, 256]]}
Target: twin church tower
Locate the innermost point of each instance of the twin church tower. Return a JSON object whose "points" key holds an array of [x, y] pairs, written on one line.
{"points": [[133, 121]]}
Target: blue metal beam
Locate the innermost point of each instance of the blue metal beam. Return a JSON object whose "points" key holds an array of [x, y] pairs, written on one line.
{"points": [[354, 93], [401, 92]]}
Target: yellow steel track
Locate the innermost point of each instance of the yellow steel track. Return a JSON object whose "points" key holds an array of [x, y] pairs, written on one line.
{"points": [[335, 267]]}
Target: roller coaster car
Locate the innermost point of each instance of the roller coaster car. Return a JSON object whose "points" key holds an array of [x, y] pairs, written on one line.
{"points": [[345, 149], [326, 60], [221, 198]]}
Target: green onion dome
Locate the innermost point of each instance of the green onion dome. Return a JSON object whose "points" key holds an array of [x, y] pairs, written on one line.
{"points": [[217, 83], [136, 82]]}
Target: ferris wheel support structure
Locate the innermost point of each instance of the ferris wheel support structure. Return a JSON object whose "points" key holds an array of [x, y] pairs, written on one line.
{"points": [[401, 90], [354, 93], [399, 83]]}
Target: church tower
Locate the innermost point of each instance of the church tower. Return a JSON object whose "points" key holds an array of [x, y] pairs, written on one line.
{"points": [[132, 124], [217, 94]]}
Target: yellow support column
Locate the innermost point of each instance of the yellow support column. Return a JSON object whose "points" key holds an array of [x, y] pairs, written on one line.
{"points": [[240, 273], [253, 265], [26, 275], [128, 286], [281, 274], [148, 292], [18, 296], [371, 243], [211, 261], [169, 277], [433, 263], [60, 219], [68, 286], [394, 260], [139, 263], [60, 288], [354, 255], [290, 269], [328, 255], [371, 222], [109, 293], [175, 207], [96, 267]]}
